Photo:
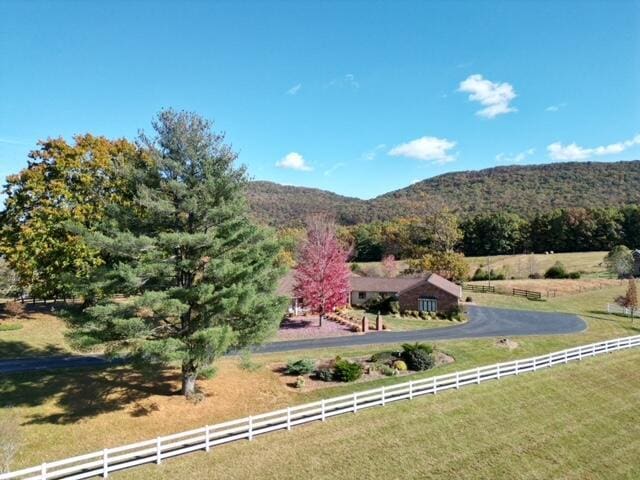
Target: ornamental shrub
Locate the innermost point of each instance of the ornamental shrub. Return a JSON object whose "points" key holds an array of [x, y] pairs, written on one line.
{"points": [[325, 374], [346, 371], [387, 371], [418, 356], [14, 309], [300, 367], [400, 365], [384, 357]]}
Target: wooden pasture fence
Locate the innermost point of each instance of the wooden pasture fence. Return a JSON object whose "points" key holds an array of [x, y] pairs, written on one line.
{"points": [[531, 295], [480, 288], [109, 460]]}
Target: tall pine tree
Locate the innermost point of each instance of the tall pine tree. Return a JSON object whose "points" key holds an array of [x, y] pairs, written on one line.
{"points": [[199, 276]]}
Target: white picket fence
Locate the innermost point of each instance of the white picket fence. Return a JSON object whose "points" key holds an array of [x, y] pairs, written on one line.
{"points": [[110, 460], [613, 308]]}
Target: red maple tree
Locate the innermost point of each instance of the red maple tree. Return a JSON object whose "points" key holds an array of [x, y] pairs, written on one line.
{"points": [[322, 273]]}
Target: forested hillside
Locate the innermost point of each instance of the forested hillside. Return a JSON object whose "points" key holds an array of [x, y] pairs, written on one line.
{"points": [[525, 190]]}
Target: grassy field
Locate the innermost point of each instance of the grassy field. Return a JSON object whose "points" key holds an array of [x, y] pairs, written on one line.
{"points": [[520, 266], [41, 334], [579, 421], [551, 288], [65, 413]]}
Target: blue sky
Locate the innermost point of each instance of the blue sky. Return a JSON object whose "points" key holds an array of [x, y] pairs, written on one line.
{"points": [[356, 97]]}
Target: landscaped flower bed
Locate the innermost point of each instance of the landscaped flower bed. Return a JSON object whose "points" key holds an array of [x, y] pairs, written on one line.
{"points": [[309, 374]]}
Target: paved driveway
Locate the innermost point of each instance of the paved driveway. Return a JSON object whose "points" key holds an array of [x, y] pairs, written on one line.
{"points": [[483, 322]]}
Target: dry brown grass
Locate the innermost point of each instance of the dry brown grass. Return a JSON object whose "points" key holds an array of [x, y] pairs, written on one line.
{"points": [[549, 287]]}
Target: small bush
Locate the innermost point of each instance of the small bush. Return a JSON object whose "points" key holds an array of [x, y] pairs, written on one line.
{"points": [[14, 309], [556, 271], [325, 374], [346, 371], [418, 356], [394, 307], [387, 371], [574, 275], [384, 357], [400, 365], [469, 299], [424, 315], [535, 276], [300, 367], [300, 382], [247, 363]]}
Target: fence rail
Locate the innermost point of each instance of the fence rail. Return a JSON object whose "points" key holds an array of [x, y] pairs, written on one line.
{"points": [[110, 460], [531, 295], [480, 288]]}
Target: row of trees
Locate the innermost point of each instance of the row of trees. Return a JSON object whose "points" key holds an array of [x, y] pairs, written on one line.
{"points": [[162, 221], [561, 230]]}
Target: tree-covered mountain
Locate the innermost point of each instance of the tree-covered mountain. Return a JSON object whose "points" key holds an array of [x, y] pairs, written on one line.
{"points": [[522, 189]]}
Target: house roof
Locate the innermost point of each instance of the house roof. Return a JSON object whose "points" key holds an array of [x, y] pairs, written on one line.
{"points": [[383, 284], [379, 284]]}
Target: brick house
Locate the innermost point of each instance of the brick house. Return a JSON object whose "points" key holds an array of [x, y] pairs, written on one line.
{"points": [[430, 293]]}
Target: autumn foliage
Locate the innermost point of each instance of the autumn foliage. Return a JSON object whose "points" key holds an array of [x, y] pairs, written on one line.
{"points": [[322, 273]]}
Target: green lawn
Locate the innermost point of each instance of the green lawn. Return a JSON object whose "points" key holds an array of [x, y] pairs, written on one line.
{"points": [[42, 334], [67, 413], [397, 324], [579, 421]]}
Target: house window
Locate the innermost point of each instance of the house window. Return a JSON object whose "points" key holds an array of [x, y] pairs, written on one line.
{"points": [[362, 295], [428, 305]]}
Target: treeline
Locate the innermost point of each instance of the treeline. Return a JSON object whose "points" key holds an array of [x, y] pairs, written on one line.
{"points": [[560, 230]]}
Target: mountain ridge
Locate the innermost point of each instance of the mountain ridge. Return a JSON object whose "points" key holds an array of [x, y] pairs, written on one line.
{"points": [[522, 189]]}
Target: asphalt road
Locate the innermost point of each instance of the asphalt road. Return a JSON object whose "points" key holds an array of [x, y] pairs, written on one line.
{"points": [[483, 322]]}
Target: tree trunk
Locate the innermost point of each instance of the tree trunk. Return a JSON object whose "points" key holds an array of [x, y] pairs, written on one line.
{"points": [[320, 316], [188, 380]]}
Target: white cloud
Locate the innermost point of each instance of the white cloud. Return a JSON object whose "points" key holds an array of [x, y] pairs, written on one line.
{"points": [[348, 81], [555, 108], [425, 148], [295, 89], [373, 153], [333, 168], [558, 151], [294, 161], [494, 96], [517, 158]]}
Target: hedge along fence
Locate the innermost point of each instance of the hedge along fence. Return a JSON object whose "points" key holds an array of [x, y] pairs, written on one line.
{"points": [[110, 460]]}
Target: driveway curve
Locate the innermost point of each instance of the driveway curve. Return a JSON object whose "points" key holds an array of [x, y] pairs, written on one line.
{"points": [[483, 322]]}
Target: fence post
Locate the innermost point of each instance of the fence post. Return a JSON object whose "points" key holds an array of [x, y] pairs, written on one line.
{"points": [[207, 438], [478, 375], [323, 410], [435, 385], [105, 463], [250, 427], [410, 389], [566, 357], [158, 450], [498, 372], [43, 471], [288, 418], [355, 403], [517, 366], [383, 392], [457, 380]]}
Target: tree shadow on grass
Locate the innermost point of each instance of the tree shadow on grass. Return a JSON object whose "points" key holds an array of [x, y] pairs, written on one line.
{"points": [[83, 393], [19, 349], [623, 321]]}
